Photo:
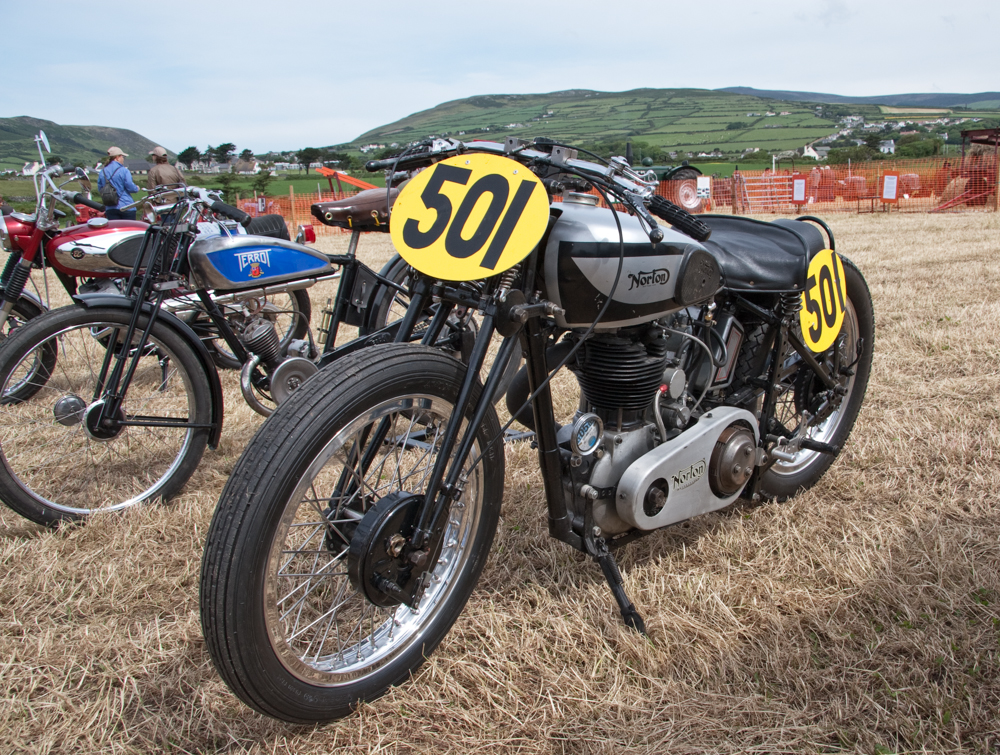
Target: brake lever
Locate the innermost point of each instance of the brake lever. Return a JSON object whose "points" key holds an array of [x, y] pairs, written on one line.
{"points": [[636, 202]]}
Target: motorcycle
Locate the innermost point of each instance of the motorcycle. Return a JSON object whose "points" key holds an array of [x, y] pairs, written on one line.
{"points": [[717, 358], [95, 255], [125, 415]]}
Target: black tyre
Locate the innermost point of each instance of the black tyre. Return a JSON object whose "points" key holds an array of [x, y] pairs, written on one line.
{"points": [[44, 359], [785, 478], [388, 304], [290, 312], [56, 469], [285, 625]]}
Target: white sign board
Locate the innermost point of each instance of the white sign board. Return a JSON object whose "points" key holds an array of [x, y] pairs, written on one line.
{"points": [[705, 187]]}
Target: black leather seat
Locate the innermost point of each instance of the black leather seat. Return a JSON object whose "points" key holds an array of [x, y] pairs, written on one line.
{"points": [[759, 256]]}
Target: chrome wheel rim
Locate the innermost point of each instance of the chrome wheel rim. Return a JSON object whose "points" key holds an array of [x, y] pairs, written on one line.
{"points": [[322, 630]]}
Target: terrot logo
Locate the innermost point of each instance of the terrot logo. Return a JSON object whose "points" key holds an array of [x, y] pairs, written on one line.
{"points": [[657, 277], [254, 260], [691, 475]]}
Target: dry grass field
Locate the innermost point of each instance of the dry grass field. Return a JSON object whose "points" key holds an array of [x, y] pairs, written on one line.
{"points": [[862, 616]]}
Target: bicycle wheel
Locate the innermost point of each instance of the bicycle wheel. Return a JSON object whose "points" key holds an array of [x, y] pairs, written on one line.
{"points": [[388, 304], [57, 466], [291, 631], [44, 359]]}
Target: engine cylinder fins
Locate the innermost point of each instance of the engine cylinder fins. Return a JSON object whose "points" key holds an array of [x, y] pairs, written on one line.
{"points": [[262, 339], [732, 461], [618, 374]]}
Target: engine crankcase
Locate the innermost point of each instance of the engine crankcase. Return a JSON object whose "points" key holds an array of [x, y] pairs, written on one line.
{"points": [[673, 482]]}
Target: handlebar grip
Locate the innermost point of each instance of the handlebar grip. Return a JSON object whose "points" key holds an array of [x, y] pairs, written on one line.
{"points": [[232, 213], [375, 165], [680, 219], [87, 202]]}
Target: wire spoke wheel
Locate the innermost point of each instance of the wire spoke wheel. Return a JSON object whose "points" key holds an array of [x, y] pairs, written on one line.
{"points": [[327, 632], [290, 629], [57, 463]]}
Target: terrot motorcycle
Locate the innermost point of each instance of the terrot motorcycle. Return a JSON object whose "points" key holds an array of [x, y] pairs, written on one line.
{"points": [[126, 412], [97, 255], [718, 358]]}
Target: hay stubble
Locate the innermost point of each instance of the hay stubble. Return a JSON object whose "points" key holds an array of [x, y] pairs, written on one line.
{"points": [[861, 615]]}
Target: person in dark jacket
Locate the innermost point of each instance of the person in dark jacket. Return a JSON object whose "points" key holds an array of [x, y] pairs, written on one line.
{"points": [[119, 176]]}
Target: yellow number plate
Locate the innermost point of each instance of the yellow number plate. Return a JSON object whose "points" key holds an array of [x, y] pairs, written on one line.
{"points": [[469, 217], [824, 301]]}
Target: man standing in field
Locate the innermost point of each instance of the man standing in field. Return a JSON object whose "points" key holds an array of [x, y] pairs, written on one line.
{"points": [[163, 173]]}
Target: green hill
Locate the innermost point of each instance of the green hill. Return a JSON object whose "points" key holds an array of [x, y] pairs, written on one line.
{"points": [[690, 120], [83, 144], [658, 121]]}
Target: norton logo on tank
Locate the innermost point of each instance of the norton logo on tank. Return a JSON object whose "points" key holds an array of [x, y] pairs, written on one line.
{"points": [[658, 277], [469, 217]]}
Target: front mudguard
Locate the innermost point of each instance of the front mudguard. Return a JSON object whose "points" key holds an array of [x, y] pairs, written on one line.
{"points": [[184, 331]]}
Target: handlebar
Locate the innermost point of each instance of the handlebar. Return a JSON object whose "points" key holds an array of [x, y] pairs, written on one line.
{"points": [[558, 169], [87, 202], [680, 219], [232, 213]]}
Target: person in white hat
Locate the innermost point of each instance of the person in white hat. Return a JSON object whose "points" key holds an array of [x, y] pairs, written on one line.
{"points": [[163, 173], [117, 175]]}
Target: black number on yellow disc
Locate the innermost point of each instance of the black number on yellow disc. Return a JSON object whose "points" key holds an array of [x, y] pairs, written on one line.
{"points": [[469, 217], [824, 301]]}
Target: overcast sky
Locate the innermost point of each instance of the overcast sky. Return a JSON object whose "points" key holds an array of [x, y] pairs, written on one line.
{"points": [[286, 74]]}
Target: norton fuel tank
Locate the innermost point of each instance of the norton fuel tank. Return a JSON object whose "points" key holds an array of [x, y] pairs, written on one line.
{"points": [[227, 263], [582, 253]]}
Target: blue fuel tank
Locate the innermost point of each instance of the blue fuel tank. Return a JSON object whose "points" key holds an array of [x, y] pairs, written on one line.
{"points": [[231, 263]]}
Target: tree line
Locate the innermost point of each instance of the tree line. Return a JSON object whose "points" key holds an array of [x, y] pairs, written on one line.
{"points": [[225, 153]]}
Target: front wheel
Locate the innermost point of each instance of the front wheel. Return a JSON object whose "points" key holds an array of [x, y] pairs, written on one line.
{"points": [[58, 463], [44, 359], [855, 345], [293, 632]]}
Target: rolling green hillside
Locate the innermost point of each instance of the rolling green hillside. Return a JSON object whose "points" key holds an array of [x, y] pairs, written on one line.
{"points": [[657, 120], [690, 120], [84, 144]]}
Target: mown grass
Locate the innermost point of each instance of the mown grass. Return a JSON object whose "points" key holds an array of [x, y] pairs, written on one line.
{"points": [[861, 616]]}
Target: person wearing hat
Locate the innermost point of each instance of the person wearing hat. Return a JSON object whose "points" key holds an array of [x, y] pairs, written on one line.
{"points": [[163, 173], [119, 176]]}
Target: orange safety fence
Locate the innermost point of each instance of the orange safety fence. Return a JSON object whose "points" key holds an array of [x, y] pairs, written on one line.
{"points": [[934, 184], [295, 208]]}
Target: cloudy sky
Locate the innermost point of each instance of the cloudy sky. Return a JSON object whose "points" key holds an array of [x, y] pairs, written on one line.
{"points": [[286, 74]]}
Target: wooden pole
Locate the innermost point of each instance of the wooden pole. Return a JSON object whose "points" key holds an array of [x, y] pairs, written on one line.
{"points": [[291, 201]]}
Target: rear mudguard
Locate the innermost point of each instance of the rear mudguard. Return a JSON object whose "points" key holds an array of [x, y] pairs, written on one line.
{"points": [[184, 331]]}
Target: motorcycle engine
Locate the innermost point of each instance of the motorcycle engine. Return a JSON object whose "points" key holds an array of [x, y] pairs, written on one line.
{"points": [[636, 472]]}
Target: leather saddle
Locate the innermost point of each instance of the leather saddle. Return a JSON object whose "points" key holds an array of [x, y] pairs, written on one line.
{"points": [[365, 211], [759, 256]]}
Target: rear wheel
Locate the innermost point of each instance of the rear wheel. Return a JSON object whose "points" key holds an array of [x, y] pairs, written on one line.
{"points": [[289, 611], [59, 463], [833, 426]]}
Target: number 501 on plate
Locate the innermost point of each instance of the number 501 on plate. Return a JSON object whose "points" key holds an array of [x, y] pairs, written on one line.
{"points": [[469, 217]]}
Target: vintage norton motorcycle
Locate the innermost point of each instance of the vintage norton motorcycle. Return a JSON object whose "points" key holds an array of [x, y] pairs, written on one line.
{"points": [[717, 358]]}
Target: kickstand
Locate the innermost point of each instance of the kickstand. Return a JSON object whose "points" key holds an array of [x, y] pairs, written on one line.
{"points": [[603, 556]]}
